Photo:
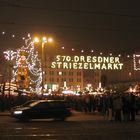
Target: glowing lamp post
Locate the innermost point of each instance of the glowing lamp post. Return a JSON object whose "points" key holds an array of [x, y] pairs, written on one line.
{"points": [[43, 41]]}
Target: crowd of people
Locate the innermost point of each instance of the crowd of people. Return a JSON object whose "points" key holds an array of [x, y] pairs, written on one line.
{"points": [[117, 107]]}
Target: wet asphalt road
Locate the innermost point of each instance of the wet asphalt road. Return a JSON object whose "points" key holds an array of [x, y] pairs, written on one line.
{"points": [[78, 127]]}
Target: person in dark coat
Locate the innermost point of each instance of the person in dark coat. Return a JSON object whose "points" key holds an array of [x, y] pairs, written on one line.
{"points": [[117, 104], [132, 107]]}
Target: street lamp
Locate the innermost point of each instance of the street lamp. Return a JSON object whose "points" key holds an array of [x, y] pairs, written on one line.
{"points": [[43, 41]]}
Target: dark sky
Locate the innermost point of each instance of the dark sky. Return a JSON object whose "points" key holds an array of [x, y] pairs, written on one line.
{"points": [[101, 25]]}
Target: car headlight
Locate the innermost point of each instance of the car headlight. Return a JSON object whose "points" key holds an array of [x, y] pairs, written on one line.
{"points": [[18, 112]]}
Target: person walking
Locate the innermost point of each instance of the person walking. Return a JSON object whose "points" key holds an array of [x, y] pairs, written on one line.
{"points": [[132, 107], [117, 104]]}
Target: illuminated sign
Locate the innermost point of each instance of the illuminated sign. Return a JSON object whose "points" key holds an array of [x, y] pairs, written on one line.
{"points": [[136, 59], [87, 62]]}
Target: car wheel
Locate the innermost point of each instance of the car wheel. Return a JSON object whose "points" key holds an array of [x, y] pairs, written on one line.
{"points": [[25, 119], [62, 118]]}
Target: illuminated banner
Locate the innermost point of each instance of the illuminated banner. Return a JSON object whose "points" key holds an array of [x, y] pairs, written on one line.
{"points": [[87, 62], [136, 59]]}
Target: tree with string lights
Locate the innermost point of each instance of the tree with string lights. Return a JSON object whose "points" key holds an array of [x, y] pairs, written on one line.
{"points": [[27, 73]]}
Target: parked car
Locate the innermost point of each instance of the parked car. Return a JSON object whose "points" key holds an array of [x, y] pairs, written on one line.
{"points": [[41, 109]]}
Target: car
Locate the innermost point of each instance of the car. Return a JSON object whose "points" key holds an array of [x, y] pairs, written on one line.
{"points": [[42, 109]]}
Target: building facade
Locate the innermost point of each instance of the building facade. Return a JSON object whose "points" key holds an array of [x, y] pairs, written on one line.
{"points": [[72, 79]]}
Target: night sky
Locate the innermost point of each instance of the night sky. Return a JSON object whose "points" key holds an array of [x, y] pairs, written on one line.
{"points": [[110, 26]]}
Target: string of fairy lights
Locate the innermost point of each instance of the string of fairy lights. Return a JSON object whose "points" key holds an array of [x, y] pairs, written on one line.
{"points": [[10, 35], [136, 61]]}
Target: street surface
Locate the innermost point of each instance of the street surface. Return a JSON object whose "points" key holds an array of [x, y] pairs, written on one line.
{"points": [[77, 127]]}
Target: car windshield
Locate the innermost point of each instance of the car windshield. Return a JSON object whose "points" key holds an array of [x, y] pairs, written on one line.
{"points": [[28, 103], [33, 103]]}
